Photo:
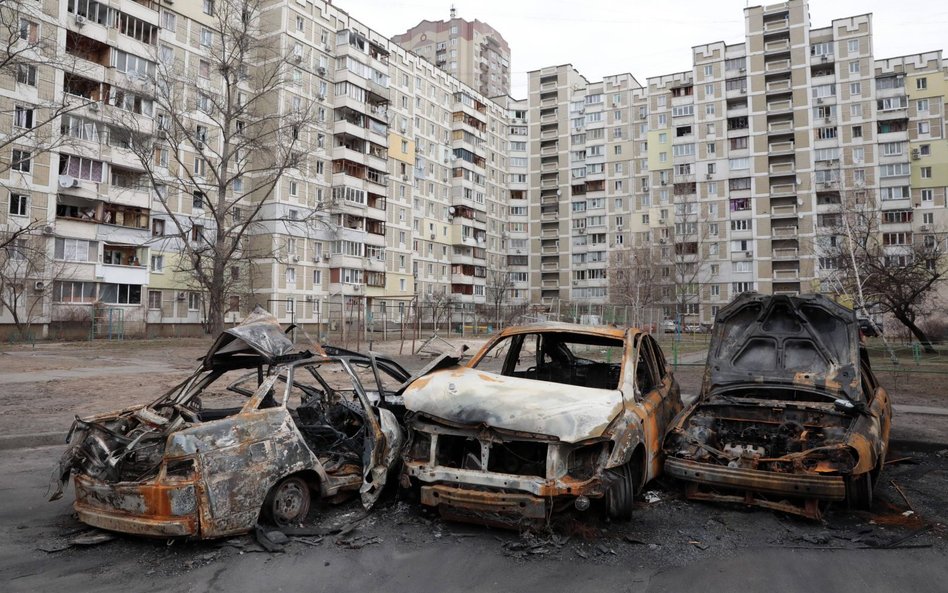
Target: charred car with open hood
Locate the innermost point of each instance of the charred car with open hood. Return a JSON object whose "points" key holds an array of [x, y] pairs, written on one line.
{"points": [[301, 426], [790, 415], [543, 417]]}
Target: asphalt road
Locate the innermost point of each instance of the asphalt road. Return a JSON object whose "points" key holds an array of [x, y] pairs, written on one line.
{"points": [[418, 554]]}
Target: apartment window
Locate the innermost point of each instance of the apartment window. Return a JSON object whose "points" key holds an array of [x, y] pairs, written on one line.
{"points": [[207, 37], [921, 105], [154, 299], [739, 287], [157, 227], [26, 74], [299, 23], [924, 127], [710, 148], [855, 88], [76, 250], [121, 294], [741, 225], [19, 204], [855, 110], [709, 70], [824, 90], [853, 46], [204, 69], [157, 263], [21, 161], [859, 154], [200, 166], [194, 301], [854, 67], [709, 109], [208, 6], [29, 30], [857, 132], [197, 200], [926, 172], [168, 20], [23, 117], [928, 195], [925, 149], [204, 103], [921, 84], [928, 218]]}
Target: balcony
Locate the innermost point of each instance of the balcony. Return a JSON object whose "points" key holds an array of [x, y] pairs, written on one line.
{"points": [[785, 210], [783, 168], [777, 46], [786, 253], [779, 107], [777, 66], [776, 25], [789, 274], [780, 126], [786, 147], [778, 85], [785, 232]]}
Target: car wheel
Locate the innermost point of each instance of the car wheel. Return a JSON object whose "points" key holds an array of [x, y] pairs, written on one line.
{"points": [[288, 502], [859, 491], [621, 493]]}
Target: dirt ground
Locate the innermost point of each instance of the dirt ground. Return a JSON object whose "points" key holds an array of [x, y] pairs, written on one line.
{"points": [[43, 387]]}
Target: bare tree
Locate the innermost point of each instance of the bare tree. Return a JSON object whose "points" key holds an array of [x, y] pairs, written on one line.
{"points": [[497, 290], [226, 134], [896, 272], [27, 276], [683, 254], [633, 279]]}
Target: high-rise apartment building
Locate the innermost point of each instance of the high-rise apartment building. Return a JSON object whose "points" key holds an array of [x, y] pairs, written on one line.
{"points": [[419, 188], [402, 196], [732, 175], [471, 51]]}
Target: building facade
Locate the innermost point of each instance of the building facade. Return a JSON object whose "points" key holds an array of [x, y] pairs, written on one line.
{"points": [[733, 175], [420, 188], [471, 51]]}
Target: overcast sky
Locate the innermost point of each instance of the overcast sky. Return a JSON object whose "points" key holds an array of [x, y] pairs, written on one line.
{"points": [[643, 37]]}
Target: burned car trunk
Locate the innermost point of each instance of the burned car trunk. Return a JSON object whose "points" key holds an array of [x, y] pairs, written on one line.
{"points": [[542, 418], [303, 426], [790, 415]]}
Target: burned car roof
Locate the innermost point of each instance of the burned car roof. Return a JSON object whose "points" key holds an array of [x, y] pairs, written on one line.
{"points": [[808, 341], [258, 339]]}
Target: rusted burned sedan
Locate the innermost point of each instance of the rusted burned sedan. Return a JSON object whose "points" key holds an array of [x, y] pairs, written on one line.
{"points": [[790, 415], [257, 430], [542, 417]]}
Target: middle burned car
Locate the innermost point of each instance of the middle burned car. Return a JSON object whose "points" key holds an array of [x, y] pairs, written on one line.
{"points": [[542, 417]]}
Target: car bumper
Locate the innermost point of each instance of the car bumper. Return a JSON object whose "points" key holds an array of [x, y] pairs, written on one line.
{"points": [[822, 487], [147, 508], [479, 501]]}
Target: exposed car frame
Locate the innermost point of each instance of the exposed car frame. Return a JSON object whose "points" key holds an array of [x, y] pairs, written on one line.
{"points": [[173, 468]]}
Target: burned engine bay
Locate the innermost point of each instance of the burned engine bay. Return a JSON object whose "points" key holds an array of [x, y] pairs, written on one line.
{"points": [[773, 435]]}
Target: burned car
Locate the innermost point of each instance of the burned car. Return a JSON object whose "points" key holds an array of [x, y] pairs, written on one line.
{"points": [[790, 415], [304, 425], [543, 417]]}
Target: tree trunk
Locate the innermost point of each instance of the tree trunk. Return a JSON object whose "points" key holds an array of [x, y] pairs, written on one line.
{"points": [[917, 332], [215, 304]]}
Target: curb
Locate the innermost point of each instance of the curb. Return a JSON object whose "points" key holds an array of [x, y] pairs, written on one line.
{"points": [[27, 441]]}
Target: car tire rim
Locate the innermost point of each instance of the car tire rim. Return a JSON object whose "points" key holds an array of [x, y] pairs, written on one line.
{"points": [[290, 502]]}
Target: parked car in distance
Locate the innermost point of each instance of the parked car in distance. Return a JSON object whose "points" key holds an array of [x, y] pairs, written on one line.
{"points": [[543, 417], [790, 415], [695, 328], [669, 326], [258, 429]]}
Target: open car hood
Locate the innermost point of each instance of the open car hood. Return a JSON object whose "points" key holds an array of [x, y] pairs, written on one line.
{"points": [[808, 341], [258, 337], [468, 396]]}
